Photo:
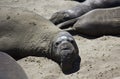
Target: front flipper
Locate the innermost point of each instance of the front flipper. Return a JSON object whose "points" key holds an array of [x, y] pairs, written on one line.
{"points": [[67, 24], [61, 16]]}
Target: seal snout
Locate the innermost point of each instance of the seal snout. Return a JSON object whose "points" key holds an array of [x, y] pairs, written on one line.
{"points": [[66, 45], [66, 50]]}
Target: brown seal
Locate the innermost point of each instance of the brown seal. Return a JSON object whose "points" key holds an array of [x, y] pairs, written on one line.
{"points": [[24, 33]]}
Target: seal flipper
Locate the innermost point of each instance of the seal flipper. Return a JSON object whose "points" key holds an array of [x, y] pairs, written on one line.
{"points": [[67, 24], [9, 69]]}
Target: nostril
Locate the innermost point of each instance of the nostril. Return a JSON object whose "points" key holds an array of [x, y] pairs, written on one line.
{"points": [[72, 41], [65, 47]]}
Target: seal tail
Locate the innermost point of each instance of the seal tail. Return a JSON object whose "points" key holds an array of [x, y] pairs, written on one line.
{"points": [[67, 24]]}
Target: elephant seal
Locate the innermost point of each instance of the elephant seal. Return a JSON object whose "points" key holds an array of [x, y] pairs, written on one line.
{"points": [[64, 46], [81, 9], [97, 22], [24, 33], [10, 69]]}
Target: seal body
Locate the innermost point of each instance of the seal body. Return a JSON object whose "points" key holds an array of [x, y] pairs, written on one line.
{"points": [[24, 33], [99, 22], [9, 69], [81, 9]]}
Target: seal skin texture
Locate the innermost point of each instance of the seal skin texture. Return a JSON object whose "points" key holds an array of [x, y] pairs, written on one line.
{"points": [[9, 68], [24, 33], [99, 22], [81, 9]]}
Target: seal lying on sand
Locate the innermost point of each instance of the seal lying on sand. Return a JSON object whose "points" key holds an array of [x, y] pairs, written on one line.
{"points": [[24, 33], [9, 69], [81, 9], [97, 22]]}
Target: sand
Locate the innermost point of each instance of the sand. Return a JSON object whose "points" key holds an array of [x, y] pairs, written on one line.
{"points": [[100, 56]]}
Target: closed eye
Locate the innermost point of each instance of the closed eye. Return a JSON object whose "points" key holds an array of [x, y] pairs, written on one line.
{"points": [[71, 40]]}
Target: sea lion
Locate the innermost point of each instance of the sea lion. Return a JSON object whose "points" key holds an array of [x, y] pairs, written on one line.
{"points": [[97, 22], [81, 9], [10, 69], [24, 33]]}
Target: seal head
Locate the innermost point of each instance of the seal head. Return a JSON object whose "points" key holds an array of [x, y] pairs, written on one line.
{"points": [[65, 51]]}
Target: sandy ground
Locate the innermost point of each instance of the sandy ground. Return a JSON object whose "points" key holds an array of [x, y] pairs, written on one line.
{"points": [[100, 56]]}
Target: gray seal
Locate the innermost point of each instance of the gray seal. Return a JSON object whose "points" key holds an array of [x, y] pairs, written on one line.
{"points": [[81, 9], [24, 33], [9, 68], [97, 22]]}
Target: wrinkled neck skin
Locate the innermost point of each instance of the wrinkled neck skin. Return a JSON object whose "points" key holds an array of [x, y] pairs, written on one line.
{"points": [[38, 40], [39, 43]]}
